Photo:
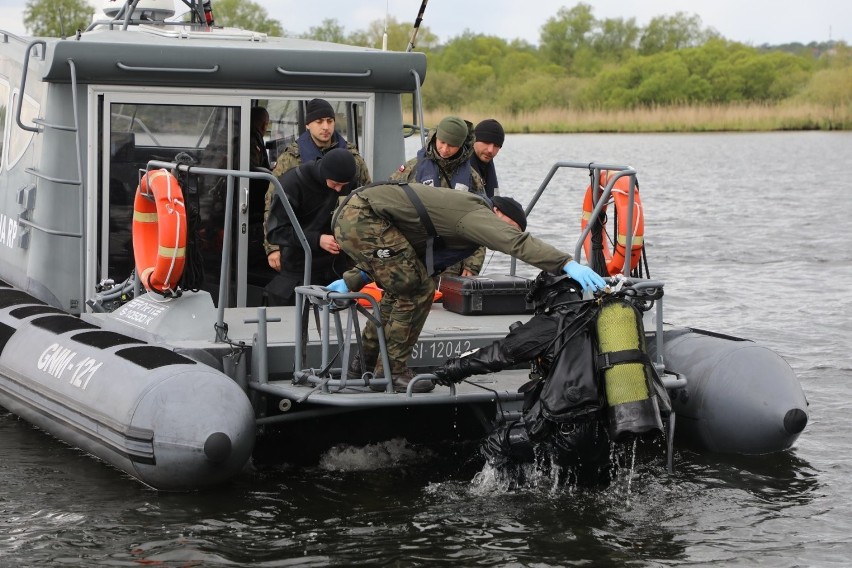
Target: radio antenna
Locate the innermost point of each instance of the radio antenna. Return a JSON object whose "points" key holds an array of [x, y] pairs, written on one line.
{"points": [[416, 26]]}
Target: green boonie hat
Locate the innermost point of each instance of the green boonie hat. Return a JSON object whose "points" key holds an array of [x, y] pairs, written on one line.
{"points": [[452, 130]]}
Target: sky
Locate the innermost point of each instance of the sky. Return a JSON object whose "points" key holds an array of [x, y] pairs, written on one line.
{"points": [[754, 22]]}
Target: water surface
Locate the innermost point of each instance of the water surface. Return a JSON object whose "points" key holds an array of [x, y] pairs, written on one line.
{"points": [[750, 232]]}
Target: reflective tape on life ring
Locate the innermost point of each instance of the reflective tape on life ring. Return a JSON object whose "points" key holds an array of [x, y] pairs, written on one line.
{"points": [[159, 231], [621, 197]]}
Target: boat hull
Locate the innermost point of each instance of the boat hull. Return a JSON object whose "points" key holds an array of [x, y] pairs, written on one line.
{"points": [[163, 418], [740, 397]]}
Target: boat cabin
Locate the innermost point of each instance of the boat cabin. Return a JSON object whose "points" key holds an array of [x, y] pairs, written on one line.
{"points": [[84, 115]]}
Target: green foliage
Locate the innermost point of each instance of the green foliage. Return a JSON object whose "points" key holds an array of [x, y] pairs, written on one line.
{"points": [[830, 87], [581, 62], [564, 34], [399, 35], [668, 33], [443, 90], [615, 39], [328, 30], [536, 92], [247, 15], [716, 72], [57, 18]]}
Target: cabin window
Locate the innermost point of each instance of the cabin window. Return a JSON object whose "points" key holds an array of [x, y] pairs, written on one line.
{"points": [[287, 122], [201, 135], [19, 139]]}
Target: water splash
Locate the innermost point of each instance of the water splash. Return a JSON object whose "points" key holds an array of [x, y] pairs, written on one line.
{"points": [[383, 455]]}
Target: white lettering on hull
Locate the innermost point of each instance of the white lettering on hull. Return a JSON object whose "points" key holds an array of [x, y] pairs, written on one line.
{"points": [[57, 360], [8, 231], [140, 313]]}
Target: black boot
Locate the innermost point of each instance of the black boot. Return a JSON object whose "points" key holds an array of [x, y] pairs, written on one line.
{"points": [[401, 380], [356, 369]]}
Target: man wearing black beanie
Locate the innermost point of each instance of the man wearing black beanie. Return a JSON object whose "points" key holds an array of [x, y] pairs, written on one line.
{"points": [[312, 190], [318, 139], [489, 138]]}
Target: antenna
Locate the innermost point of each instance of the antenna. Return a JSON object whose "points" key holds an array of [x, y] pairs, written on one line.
{"points": [[385, 35], [416, 26]]}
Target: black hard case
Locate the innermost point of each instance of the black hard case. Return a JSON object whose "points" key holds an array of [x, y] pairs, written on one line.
{"points": [[486, 295]]}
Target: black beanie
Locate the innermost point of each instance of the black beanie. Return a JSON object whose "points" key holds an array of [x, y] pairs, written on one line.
{"points": [[337, 165], [316, 109], [511, 209], [490, 131]]}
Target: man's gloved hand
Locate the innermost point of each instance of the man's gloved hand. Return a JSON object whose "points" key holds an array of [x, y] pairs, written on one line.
{"points": [[339, 286], [588, 278], [455, 370]]}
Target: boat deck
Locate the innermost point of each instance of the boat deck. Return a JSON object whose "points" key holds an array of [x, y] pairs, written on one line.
{"points": [[446, 334]]}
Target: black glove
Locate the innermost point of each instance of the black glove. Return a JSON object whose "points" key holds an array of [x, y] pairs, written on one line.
{"points": [[455, 370]]}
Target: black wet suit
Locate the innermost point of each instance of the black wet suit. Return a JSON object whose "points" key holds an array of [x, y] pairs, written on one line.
{"points": [[564, 421]]}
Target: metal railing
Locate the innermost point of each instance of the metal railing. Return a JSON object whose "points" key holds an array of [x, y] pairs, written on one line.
{"points": [[227, 239], [598, 200]]}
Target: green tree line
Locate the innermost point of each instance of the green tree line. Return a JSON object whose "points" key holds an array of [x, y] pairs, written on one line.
{"points": [[580, 63], [583, 62]]}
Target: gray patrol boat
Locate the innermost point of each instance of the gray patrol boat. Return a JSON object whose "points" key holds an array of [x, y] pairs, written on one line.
{"points": [[180, 387]]}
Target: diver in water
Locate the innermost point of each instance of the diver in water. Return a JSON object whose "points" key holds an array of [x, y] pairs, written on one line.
{"points": [[591, 382]]}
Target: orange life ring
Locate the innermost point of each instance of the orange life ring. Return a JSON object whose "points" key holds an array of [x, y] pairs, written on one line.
{"points": [[372, 290], [159, 231], [621, 196]]}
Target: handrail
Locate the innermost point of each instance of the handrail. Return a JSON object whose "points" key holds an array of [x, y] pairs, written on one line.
{"points": [[324, 298], [355, 74], [78, 143], [230, 175], [22, 88], [596, 169], [63, 181], [125, 67], [600, 203], [43, 229], [418, 102]]}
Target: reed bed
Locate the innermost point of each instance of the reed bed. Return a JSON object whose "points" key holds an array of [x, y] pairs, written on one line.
{"points": [[691, 118]]}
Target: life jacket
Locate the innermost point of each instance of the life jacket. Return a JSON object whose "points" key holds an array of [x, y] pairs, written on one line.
{"points": [[427, 172]]}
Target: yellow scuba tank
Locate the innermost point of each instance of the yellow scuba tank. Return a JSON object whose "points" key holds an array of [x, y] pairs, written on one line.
{"points": [[626, 370]]}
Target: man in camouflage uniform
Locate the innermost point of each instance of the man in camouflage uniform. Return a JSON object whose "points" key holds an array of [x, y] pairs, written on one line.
{"points": [[445, 161], [381, 230], [318, 139]]}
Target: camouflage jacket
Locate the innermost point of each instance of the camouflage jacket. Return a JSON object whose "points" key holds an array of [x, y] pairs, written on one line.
{"points": [[461, 219], [290, 158], [447, 168]]}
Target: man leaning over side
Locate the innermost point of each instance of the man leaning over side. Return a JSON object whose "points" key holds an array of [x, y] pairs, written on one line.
{"points": [[381, 229]]}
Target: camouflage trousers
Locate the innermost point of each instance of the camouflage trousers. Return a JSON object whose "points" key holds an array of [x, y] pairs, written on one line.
{"points": [[382, 251]]}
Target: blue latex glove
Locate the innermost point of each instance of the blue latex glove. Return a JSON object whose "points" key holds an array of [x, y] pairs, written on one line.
{"points": [[338, 286], [588, 278]]}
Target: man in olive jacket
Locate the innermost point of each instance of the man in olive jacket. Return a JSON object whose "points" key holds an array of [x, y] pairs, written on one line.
{"points": [[381, 229]]}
